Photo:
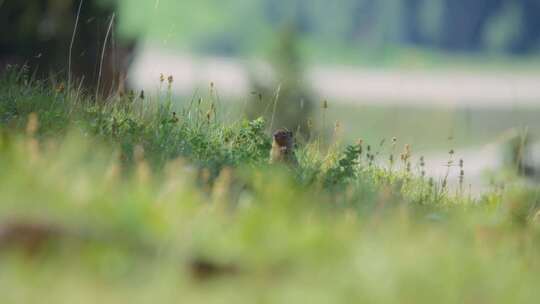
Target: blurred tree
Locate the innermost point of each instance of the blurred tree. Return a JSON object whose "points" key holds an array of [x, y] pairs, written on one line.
{"points": [[39, 33], [530, 27], [412, 24], [464, 23], [364, 19], [285, 102]]}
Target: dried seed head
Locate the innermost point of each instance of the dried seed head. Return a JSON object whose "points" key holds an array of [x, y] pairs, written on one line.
{"points": [[325, 104], [337, 127], [60, 88], [161, 77], [170, 79]]}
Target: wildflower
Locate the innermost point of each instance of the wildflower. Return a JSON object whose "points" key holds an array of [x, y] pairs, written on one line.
{"points": [[170, 79], [406, 154], [161, 77], [141, 96], [325, 104]]}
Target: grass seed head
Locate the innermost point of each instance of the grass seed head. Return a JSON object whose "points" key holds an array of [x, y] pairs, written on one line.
{"points": [[60, 88]]}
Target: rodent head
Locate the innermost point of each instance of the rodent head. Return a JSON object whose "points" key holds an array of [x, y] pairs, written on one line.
{"points": [[283, 137]]}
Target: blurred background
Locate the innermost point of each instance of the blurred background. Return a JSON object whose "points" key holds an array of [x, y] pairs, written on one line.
{"points": [[440, 75]]}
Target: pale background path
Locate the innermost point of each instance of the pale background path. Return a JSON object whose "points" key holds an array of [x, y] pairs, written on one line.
{"points": [[445, 88]]}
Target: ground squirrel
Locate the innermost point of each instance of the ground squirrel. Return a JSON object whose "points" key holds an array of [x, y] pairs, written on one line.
{"points": [[283, 148]]}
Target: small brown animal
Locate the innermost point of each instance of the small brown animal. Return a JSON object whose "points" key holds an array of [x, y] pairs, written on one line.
{"points": [[283, 148]]}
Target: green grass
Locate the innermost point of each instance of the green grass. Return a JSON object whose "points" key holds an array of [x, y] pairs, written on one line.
{"points": [[426, 129], [122, 201], [430, 129]]}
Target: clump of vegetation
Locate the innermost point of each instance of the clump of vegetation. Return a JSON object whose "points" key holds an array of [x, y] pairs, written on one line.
{"points": [[130, 198]]}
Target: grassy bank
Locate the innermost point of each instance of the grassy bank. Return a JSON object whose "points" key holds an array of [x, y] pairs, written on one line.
{"points": [[132, 200]]}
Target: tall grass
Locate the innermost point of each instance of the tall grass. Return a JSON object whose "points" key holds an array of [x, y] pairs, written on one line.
{"points": [[130, 200]]}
